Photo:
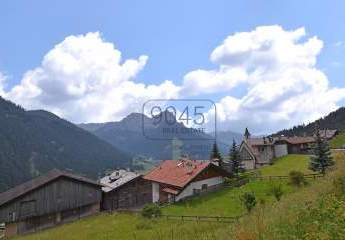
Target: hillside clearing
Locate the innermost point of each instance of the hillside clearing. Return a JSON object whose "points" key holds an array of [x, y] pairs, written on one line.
{"points": [[283, 165], [338, 141]]}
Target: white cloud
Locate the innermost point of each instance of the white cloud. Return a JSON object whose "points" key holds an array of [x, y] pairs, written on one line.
{"points": [[84, 79], [339, 44], [278, 71]]}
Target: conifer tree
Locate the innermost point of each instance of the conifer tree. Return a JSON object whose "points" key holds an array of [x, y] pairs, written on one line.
{"points": [[215, 154], [321, 159], [235, 159]]}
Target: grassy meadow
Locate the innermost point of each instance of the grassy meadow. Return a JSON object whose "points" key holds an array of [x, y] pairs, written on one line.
{"points": [[283, 165], [338, 141], [315, 211]]}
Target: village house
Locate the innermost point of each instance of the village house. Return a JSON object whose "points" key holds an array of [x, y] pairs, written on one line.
{"points": [[45, 201], [125, 190], [174, 180], [259, 151]]}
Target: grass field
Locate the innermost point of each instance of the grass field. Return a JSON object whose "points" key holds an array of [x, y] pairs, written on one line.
{"points": [[282, 166], [338, 141], [299, 215]]}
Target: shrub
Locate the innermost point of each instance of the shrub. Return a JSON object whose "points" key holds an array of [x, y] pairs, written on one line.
{"points": [[249, 200], [151, 210], [297, 178], [277, 191]]}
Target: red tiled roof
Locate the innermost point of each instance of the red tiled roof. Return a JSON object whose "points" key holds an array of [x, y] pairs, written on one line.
{"points": [[177, 172]]}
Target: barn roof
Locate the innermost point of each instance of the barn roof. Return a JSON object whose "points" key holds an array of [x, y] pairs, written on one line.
{"points": [[117, 179], [299, 140], [35, 183], [177, 173], [259, 141]]}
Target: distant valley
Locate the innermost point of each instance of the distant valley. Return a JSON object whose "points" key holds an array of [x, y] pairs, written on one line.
{"points": [[127, 135]]}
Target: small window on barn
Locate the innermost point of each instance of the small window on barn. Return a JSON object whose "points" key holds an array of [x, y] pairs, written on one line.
{"points": [[28, 208], [91, 194], [12, 216], [204, 187]]}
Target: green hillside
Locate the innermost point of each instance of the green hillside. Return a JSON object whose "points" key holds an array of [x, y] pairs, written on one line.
{"points": [[338, 141], [316, 211], [34, 142], [283, 165], [334, 120]]}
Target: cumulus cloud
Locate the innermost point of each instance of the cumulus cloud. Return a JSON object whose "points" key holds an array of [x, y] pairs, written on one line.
{"points": [[84, 79], [278, 70]]}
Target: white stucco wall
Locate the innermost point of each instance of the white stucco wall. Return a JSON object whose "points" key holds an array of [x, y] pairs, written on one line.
{"points": [[188, 191], [280, 150], [155, 192]]}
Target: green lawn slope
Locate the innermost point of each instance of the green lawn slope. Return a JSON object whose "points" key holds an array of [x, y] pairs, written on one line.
{"points": [[283, 165], [338, 141]]}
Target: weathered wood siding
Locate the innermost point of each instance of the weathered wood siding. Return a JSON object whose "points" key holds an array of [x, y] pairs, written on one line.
{"points": [[247, 159], [264, 154], [133, 194], [59, 195]]}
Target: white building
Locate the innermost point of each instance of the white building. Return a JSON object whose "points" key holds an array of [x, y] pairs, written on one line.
{"points": [[174, 180]]}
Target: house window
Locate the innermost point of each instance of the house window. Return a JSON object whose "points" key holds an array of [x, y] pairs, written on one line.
{"points": [[204, 187]]}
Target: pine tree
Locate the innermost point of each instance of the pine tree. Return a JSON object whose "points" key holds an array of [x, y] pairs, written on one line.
{"points": [[235, 159], [215, 154], [321, 159]]}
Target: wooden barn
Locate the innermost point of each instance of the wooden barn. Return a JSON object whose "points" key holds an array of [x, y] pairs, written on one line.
{"points": [[50, 199], [125, 190], [174, 180]]}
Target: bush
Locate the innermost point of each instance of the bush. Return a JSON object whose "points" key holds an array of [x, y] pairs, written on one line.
{"points": [[297, 178], [277, 191], [151, 210], [249, 200]]}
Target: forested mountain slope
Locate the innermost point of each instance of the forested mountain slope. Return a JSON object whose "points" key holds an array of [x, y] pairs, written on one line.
{"points": [[334, 120], [33, 142]]}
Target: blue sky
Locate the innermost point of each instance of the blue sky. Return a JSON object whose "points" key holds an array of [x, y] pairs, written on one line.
{"points": [[178, 36]]}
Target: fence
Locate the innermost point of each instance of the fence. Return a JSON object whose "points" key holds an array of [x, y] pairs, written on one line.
{"points": [[201, 218], [307, 176], [2, 230]]}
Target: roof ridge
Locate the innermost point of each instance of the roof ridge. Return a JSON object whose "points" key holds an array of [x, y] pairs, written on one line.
{"points": [[30, 185]]}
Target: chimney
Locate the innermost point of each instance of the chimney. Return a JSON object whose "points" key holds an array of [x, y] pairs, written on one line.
{"points": [[190, 167], [264, 138]]}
